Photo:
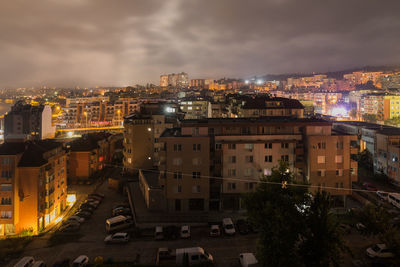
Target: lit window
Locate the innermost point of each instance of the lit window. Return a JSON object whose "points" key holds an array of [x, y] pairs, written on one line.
{"points": [[321, 159], [339, 159]]}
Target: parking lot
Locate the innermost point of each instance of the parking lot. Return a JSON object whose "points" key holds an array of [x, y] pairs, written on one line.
{"points": [[225, 249]]}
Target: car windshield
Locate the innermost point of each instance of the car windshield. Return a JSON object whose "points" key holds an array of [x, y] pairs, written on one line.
{"points": [[376, 248], [229, 226]]}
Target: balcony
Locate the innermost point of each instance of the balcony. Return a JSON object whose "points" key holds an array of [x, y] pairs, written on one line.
{"points": [[353, 150], [353, 164], [299, 151]]}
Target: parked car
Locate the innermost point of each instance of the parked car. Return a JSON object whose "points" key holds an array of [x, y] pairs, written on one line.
{"points": [[185, 231], [94, 197], [214, 230], [369, 186], [69, 227], [382, 195], [360, 227], [86, 206], [242, 227], [248, 260], [94, 203], [76, 219], [121, 211], [228, 226], [25, 262], [97, 195], [117, 238], [81, 261], [379, 251], [158, 233], [83, 214]]}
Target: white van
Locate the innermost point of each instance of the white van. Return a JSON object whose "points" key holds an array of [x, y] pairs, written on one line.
{"points": [[248, 260], [193, 256], [228, 226], [25, 262], [394, 199], [118, 223], [159, 233]]}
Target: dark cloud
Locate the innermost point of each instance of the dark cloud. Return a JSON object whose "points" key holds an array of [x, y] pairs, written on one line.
{"points": [[102, 42]]}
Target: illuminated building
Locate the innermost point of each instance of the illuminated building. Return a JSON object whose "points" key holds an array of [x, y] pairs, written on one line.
{"points": [[209, 164], [88, 155], [269, 106], [164, 80], [33, 185], [27, 122], [142, 132]]}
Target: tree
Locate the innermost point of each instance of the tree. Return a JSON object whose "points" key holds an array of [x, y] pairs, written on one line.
{"points": [[275, 210], [375, 219], [353, 113], [322, 240]]}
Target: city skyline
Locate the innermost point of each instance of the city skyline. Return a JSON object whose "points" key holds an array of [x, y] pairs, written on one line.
{"points": [[87, 44]]}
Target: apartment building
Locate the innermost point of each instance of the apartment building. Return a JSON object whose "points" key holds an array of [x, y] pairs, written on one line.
{"points": [[236, 153], [87, 155], [141, 135], [250, 107], [184, 170], [25, 122], [33, 185], [196, 108], [98, 113]]}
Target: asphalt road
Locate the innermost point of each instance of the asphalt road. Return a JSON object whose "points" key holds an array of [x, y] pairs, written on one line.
{"points": [[225, 250]]}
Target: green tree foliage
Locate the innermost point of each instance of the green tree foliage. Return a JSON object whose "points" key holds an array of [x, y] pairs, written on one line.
{"points": [[275, 211], [395, 121], [295, 229], [375, 219], [322, 241]]}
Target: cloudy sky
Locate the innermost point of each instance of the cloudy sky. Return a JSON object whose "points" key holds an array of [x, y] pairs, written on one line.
{"points": [[122, 42]]}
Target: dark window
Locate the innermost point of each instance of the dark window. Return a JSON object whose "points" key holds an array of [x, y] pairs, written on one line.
{"points": [[268, 145], [196, 175], [268, 158]]}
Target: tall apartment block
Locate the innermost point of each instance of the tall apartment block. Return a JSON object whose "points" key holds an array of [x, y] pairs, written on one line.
{"points": [[208, 164], [33, 185], [180, 80], [141, 135], [25, 122]]}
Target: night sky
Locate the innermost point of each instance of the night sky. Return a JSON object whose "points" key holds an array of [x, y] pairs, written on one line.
{"points": [[103, 42]]}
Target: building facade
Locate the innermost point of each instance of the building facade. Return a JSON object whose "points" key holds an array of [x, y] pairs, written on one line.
{"points": [[25, 122], [229, 156], [33, 185]]}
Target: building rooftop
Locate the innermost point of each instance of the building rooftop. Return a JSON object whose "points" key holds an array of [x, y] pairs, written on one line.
{"points": [[271, 103], [272, 119], [88, 142]]}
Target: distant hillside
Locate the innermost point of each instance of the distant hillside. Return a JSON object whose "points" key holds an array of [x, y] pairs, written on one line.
{"points": [[331, 74]]}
